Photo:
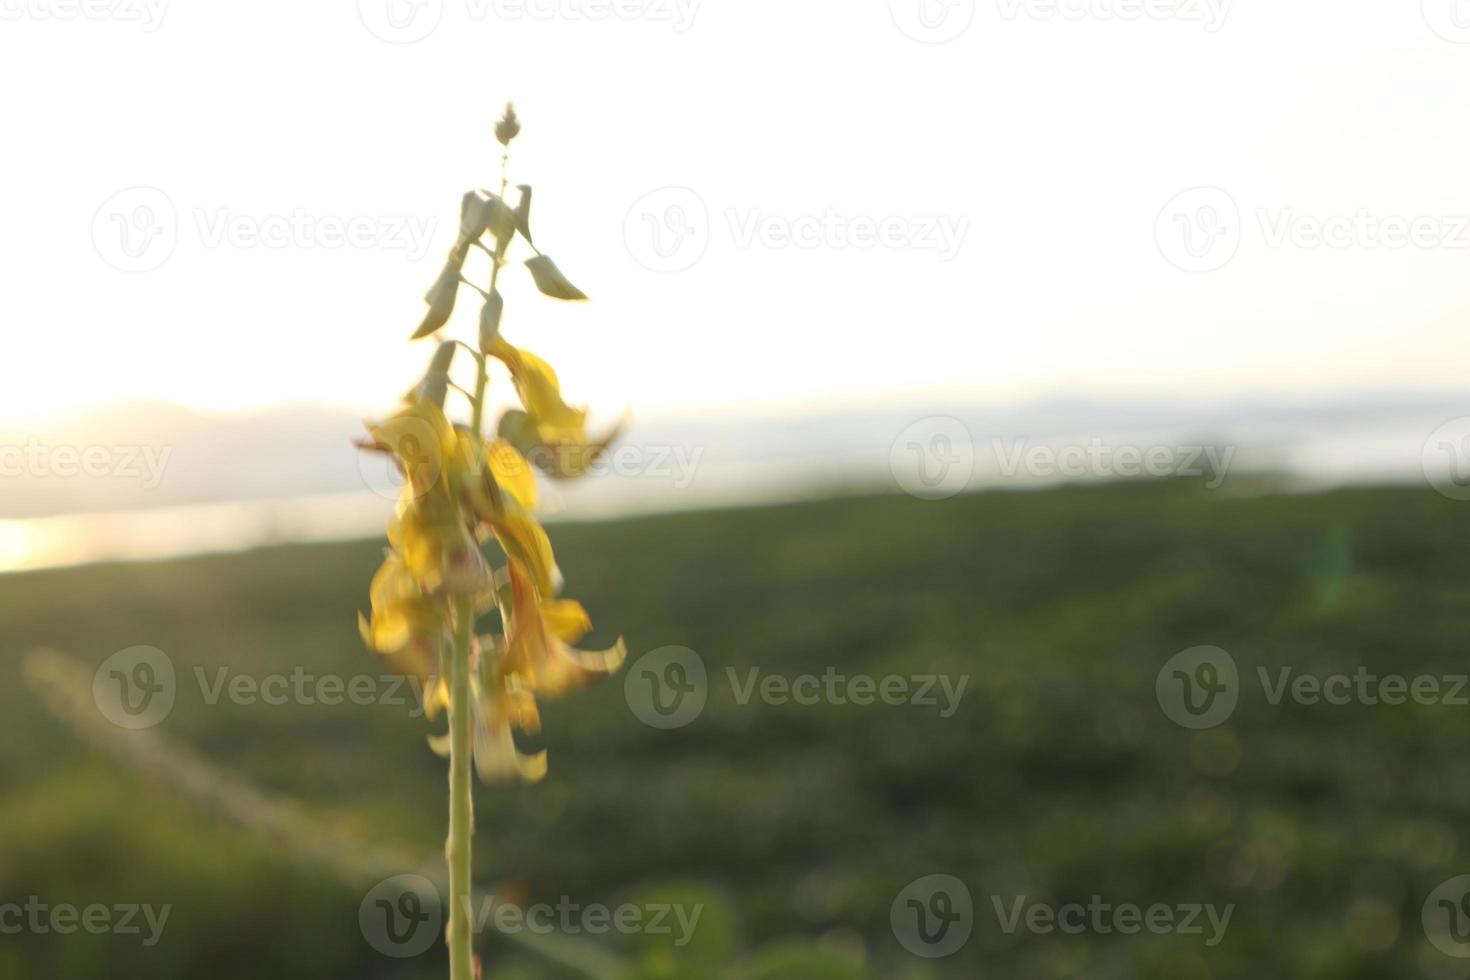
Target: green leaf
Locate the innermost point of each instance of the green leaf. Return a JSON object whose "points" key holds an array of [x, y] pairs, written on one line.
{"points": [[490, 320], [549, 279], [474, 217], [523, 213], [442, 359], [501, 222], [441, 296], [434, 386]]}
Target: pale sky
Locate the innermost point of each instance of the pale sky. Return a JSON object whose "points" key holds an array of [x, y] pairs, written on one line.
{"points": [[857, 216]]}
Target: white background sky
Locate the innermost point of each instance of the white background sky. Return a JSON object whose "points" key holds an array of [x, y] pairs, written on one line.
{"points": [[1058, 139]]}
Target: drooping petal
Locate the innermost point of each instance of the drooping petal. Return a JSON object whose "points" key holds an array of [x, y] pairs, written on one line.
{"points": [[536, 652], [540, 392], [526, 543]]}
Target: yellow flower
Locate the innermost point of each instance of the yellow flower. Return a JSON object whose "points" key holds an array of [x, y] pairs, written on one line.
{"points": [[499, 707], [550, 432], [423, 443], [407, 629], [437, 549], [540, 633], [457, 486]]}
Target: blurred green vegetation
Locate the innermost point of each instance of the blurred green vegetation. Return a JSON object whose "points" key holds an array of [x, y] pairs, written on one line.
{"points": [[1059, 778]]}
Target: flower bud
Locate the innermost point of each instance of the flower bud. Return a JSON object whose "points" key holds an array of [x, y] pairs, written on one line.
{"points": [[509, 126]]}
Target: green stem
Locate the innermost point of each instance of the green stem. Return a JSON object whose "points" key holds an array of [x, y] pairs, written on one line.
{"points": [[461, 753], [461, 741], [461, 802]]}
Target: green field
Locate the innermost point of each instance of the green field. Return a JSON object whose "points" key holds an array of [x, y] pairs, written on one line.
{"points": [[1058, 778]]}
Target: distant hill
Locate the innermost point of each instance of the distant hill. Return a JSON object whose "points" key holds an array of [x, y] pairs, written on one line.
{"points": [[149, 456]]}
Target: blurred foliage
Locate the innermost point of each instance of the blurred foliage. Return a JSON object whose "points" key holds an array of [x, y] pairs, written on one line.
{"points": [[1058, 778]]}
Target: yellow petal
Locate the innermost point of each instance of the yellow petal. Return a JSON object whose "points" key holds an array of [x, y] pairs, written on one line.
{"points": [[566, 619], [496, 755], [422, 441], [512, 473], [540, 393], [525, 541]]}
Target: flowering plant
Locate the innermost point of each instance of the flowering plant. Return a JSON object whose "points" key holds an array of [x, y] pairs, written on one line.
{"points": [[461, 491]]}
